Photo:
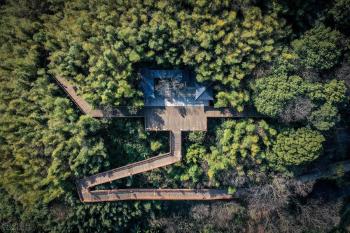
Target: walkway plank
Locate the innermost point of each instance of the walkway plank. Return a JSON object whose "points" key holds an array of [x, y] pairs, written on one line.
{"points": [[157, 194], [175, 118]]}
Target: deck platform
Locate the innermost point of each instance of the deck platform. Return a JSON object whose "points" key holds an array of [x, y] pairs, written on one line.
{"points": [[175, 118]]}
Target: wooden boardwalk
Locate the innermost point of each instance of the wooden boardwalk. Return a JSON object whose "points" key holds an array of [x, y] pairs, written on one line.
{"points": [[174, 120], [87, 195], [156, 194]]}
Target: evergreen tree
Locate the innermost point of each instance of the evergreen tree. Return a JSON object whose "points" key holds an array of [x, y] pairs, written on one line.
{"points": [[295, 147], [319, 48], [276, 96]]}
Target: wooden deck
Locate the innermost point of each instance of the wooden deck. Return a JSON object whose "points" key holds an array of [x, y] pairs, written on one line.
{"points": [[189, 118], [175, 118]]}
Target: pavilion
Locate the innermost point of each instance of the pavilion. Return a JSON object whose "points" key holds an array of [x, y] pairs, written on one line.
{"points": [[173, 88]]}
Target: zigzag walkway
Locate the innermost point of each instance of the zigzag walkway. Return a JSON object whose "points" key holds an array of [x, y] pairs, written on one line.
{"points": [[86, 184]]}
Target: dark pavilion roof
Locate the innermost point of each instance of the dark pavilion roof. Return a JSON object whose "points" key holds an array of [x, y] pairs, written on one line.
{"points": [[200, 92]]}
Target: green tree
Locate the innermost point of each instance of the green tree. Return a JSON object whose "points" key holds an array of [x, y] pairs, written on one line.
{"points": [[100, 46], [240, 146], [315, 103], [193, 164], [325, 117], [45, 144], [295, 147], [196, 137], [272, 94], [340, 13], [319, 48]]}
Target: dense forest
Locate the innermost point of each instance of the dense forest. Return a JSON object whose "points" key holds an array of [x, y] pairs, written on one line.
{"points": [[287, 59]]}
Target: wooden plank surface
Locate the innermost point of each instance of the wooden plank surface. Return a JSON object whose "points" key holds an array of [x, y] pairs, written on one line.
{"points": [[157, 194], [191, 118]]}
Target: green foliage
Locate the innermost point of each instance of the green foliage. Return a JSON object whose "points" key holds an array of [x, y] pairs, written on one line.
{"points": [[103, 217], [192, 171], [319, 48], [196, 137], [302, 15], [273, 94], [295, 147], [26, 106], [286, 64], [233, 98], [45, 144], [100, 46], [231, 190], [155, 145], [325, 117], [240, 145], [340, 13], [10, 211]]}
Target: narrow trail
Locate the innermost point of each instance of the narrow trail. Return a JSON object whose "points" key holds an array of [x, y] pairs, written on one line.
{"points": [[85, 185], [335, 169]]}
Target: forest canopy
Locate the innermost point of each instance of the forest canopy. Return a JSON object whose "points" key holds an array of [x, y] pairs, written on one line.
{"points": [[288, 61], [101, 50]]}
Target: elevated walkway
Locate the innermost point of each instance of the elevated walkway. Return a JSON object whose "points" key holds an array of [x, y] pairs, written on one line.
{"points": [[87, 195], [174, 126], [156, 194], [175, 118]]}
